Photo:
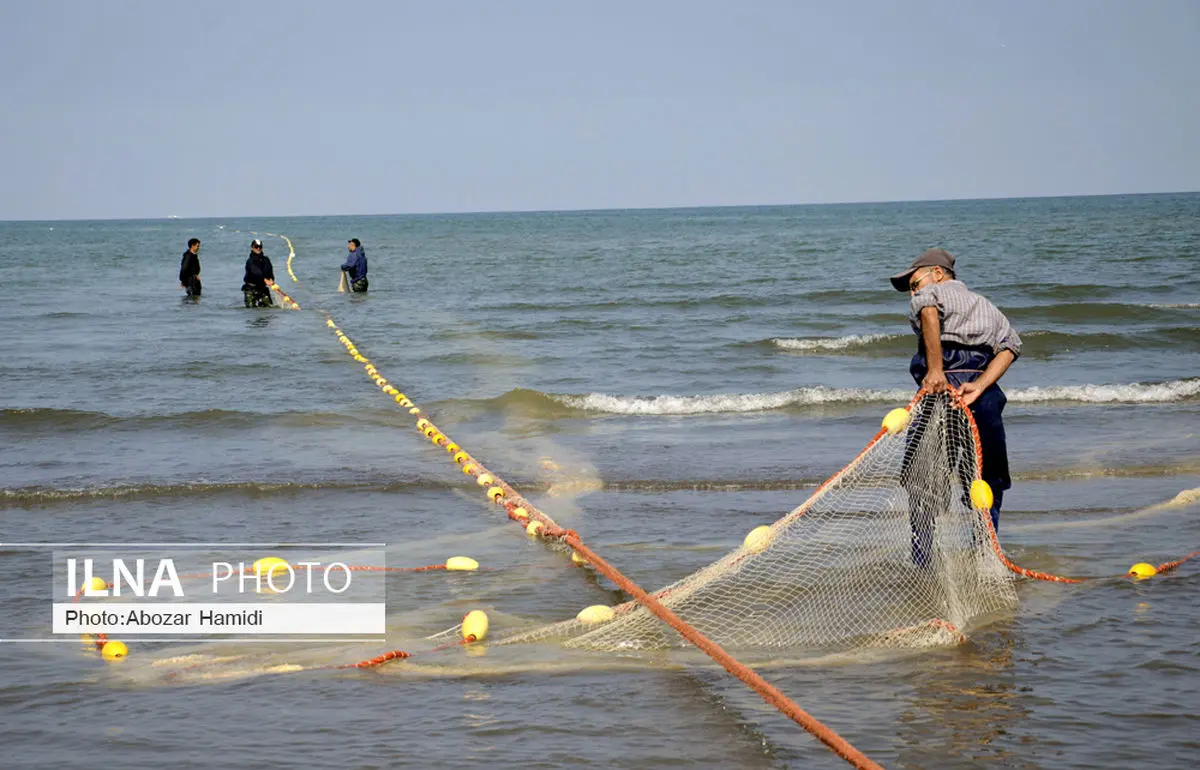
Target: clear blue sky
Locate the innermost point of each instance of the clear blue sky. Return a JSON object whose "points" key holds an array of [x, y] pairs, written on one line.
{"points": [[148, 109]]}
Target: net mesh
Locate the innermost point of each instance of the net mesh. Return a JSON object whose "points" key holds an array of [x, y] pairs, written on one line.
{"points": [[889, 552]]}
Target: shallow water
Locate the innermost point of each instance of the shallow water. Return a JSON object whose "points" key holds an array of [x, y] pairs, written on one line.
{"points": [[661, 381]]}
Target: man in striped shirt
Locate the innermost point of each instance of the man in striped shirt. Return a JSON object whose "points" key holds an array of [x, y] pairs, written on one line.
{"points": [[965, 342]]}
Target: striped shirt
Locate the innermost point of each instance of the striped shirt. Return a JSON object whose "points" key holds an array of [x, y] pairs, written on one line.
{"points": [[966, 317]]}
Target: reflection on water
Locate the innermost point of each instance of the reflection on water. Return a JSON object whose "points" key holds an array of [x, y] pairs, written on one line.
{"points": [[261, 320], [961, 703]]}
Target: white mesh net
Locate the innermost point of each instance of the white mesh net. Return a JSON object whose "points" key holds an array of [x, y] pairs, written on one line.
{"points": [[888, 552]]}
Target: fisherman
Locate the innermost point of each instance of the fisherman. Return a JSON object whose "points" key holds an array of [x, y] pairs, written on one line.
{"points": [[355, 266], [965, 343], [189, 269], [260, 276]]}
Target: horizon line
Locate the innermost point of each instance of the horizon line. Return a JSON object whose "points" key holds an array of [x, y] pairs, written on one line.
{"points": [[173, 217]]}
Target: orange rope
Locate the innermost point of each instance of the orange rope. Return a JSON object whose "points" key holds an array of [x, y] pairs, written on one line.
{"points": [[378, 660], [503, 494], [1170, 565], [956, 400], [765, 689]]}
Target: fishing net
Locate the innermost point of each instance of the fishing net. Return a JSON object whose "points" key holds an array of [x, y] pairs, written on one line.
{"points": [[889, 552]]}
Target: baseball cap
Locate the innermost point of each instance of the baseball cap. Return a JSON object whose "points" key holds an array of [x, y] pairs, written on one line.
{"points": [[929, 258]]}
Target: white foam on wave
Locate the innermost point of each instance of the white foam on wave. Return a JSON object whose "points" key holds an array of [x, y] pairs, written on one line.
{"points": [[1176, 305], [1137, 393], [735, 402], [831, 343]]}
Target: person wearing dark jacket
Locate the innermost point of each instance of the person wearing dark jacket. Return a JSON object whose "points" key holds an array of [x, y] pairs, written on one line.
{"points": [[260, 276], [355, 266], [189, 269]]}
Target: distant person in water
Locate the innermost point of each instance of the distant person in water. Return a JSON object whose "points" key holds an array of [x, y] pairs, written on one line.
{"points": [[260, 277], [189, 269], [355, 266]]}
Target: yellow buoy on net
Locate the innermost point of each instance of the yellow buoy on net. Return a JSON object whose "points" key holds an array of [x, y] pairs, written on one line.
{"points": [[494, 493], [475, 626], [981, 495], [461, 564], [578, 560], [533, 528], [114, 650], [268, 566], [758, 539], [484, 479], [1142, 570], [896, 420], [520, 514], [95, 584], [597, 613]]}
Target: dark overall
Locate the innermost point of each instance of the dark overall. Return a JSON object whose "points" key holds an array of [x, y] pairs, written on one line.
{"points": [[961, 364], [189, 273], [355, 268], [254, 286]]}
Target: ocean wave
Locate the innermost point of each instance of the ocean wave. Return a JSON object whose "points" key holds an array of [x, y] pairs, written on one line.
{"points": [[734, 402], [38, 496], [1038, 343], [41, 497], [1089, 313], [1184, 468], [1045, 344], [1067, 473], [1057, 292], [1134, 393], [1175, 305], [833, 344], [43, 418]]}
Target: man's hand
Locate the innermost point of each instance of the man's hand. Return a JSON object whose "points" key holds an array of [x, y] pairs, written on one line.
{"points": [[970, 391], [935, 381], [268, 282]]}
